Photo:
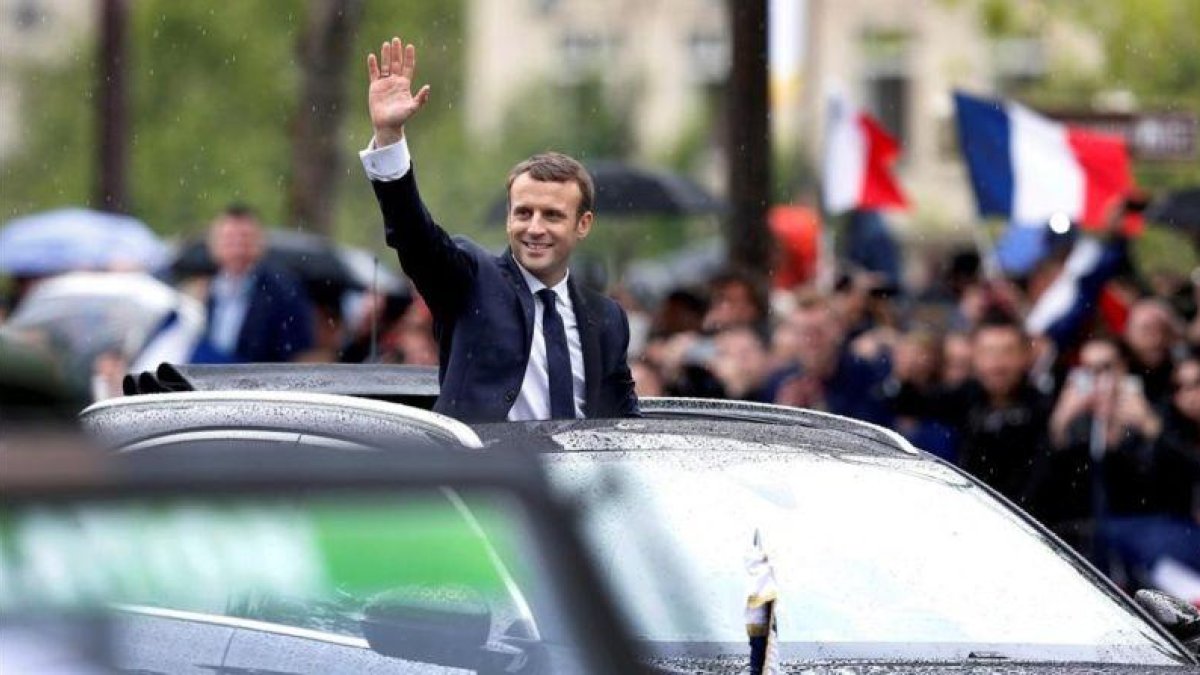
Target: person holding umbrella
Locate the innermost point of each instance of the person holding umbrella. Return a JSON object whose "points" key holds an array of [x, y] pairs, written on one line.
{"points": [[518, 338], [256, 312]]}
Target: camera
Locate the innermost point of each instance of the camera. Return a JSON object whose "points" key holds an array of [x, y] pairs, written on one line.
{"points": [[1085, 381], [701, 352]]}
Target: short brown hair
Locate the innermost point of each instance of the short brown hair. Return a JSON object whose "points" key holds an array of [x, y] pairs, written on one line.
{"points": [[555, 167]]}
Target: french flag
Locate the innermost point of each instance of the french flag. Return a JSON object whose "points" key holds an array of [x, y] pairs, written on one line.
{"points": [[1027, 168], [858, 157]]}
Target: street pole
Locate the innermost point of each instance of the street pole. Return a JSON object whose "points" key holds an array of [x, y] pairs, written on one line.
{"points": [[112, 118], [749, 152]]}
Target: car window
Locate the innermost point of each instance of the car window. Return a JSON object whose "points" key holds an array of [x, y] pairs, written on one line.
{"points": [[875, 558], [337, 583]]}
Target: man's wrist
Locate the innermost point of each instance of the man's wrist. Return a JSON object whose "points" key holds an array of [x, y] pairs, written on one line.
{"points": [[388, 136]]}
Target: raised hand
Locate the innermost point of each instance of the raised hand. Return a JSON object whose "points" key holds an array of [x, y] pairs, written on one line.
{"points": [[390, 99]]}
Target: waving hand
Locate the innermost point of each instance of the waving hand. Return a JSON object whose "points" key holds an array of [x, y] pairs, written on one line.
{"points": [[390, 98]]}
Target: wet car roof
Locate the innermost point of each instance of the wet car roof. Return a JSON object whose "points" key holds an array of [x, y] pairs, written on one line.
{"points": [[694, 434]]}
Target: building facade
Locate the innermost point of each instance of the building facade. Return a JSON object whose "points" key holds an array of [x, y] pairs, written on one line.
{"points": [[899, 59]]}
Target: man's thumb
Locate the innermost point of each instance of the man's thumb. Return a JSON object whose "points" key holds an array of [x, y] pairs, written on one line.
{"points": [[423, 95]]}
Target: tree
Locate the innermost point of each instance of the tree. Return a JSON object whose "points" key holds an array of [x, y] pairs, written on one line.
{"points": [[112, 119], [325, 48], [212, 91]]}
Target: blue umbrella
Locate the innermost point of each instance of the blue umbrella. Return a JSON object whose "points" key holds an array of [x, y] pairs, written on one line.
{"points": [[77, 239]]}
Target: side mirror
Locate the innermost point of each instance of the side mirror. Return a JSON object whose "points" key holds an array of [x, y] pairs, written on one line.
{"points": [[447, 626], [1179, 618]]}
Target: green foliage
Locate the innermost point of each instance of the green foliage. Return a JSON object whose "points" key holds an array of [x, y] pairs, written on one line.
{"points": [[213, 89], [209, 98], [1150, 50], [452, 180], [1161, 249], [999, 18]]}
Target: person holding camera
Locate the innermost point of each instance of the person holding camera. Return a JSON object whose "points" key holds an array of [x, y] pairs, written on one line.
{"points": [[1102, 434]]}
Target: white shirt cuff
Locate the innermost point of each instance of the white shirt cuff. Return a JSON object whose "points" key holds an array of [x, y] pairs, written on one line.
{"points": [[388, 163]]}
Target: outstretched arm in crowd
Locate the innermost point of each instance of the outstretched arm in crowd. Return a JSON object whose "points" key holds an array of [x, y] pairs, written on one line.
{"points": [[1065, 308]]}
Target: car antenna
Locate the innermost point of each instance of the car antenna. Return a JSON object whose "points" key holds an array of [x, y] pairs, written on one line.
{"points": [[374, 309]]}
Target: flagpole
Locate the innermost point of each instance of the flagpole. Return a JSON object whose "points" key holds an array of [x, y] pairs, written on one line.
{"points": [[826, 274], [986, 249]]}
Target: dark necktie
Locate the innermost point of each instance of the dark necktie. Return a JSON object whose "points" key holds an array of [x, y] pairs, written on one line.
{"points": [[558, 358]]}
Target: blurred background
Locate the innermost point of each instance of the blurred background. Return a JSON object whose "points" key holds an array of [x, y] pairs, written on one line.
{"points": [[171, 110]]}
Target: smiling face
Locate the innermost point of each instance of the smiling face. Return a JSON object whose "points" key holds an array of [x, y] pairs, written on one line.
{"points": [[545, 224]]}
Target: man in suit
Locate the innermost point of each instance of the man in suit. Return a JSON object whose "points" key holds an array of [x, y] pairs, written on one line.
{"points": [[518, 339], [256, 312]]}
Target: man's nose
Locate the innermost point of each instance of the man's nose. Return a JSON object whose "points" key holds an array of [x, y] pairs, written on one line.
{"points": [[537, 225]]}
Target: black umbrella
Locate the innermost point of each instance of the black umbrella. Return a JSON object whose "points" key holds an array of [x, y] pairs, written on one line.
{"points": [[626, 190], [1180, 209], [313, 259]]}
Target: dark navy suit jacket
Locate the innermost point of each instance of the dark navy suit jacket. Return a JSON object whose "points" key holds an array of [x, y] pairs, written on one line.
{"points": [[483, 317], [278, 323]]}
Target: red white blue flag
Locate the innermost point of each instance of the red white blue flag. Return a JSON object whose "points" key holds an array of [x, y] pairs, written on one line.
{"points": [[859, 155], [1028, 168]]}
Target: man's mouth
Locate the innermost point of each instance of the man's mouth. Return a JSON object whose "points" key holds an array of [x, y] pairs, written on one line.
{"points": [[536, 245]]}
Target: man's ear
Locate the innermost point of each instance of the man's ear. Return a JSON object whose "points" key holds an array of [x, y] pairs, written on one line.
{"points": [[584, 226]]}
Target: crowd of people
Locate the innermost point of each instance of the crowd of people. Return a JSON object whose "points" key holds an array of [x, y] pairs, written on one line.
{"points": [[1073, 390]]}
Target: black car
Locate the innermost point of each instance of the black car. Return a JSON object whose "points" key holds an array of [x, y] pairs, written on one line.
{"points": [[886, 559], [259, 553]]}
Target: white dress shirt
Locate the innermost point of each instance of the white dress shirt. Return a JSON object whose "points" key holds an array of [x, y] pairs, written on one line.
{"points": [[230, 301], [392, 162]]}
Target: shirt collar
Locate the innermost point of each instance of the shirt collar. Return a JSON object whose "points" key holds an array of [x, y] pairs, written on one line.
{"points": [[228, 285], [560, 289]]}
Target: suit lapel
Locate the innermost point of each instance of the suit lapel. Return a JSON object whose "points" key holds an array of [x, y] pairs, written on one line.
{"points": [[509, 266], [589, 339]]}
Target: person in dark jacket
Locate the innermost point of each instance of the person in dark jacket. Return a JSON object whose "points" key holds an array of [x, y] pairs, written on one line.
{"points": [[999, 418], [1102, 434], [518, 337], [1151, 331], [828, 376], [1165, 526], [257, 313], [1178, 448]]}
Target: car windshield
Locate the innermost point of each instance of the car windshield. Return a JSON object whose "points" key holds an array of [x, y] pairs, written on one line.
{"points": [[875, 556]]}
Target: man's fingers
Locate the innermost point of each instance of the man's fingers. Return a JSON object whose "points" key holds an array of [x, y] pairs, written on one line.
{"points": [[385, 59], [397, 67], [372, 67], [422, 96], [410, 61]]}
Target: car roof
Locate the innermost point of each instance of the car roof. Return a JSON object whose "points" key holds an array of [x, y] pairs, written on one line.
{"points": [[128, 420], [711, 436], [746, 411], [415, 386]]}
